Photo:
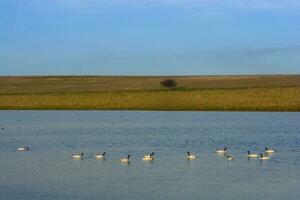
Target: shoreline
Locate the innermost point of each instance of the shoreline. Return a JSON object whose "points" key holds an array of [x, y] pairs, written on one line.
{"points": [[230, 93]]}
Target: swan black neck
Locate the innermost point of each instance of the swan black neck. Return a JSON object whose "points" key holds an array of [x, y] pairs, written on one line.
{"points": [[188, 153], [128, 157], [104, 154]]}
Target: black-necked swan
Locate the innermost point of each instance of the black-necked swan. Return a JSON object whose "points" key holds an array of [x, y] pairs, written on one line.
{"points": [[25, 148], [148, 157], [251, 155], [78, 156], [100, 156], [267, 150], [262, 157], [126, 159], [230, 158], [222, 150], [189, 156]]}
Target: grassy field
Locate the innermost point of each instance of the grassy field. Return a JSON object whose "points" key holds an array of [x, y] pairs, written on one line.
{"points": [[249, 93]]}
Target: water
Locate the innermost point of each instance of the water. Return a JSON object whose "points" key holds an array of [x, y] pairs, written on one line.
{"points": [[49, 172]]}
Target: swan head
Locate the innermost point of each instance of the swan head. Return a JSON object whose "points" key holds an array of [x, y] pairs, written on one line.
{"points": [[229, 158], [188, 153], [81, 154], [248, 152], [261, 155], [266, 148], [104, 154], [128, 156], [225, 148], [152, 154]]}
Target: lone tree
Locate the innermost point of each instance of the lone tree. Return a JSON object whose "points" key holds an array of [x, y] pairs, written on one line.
{"points": [[169, 83]]}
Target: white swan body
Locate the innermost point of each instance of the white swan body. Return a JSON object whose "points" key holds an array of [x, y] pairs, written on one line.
{"points": [[25, 148], [78, 156], [262, 157], [149, 156], [125, 160], [267, 150], [251, 155], [100, 156], [222, 150], [189, 156]]}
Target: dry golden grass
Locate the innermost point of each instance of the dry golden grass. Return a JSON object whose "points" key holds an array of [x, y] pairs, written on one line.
{"points": [[71, 84], [250, 99]]}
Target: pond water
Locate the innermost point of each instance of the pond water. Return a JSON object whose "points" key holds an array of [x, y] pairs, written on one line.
{"points": [[48, 171]]}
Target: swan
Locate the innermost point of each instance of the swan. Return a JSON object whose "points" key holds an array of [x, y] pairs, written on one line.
{"points": [[230, 158], [222, 150], [251, 155], [25, 148], [125, 160], [267, 150], [148, 157], [78, 156], [262, 157], [189, 156], [100, 156]]}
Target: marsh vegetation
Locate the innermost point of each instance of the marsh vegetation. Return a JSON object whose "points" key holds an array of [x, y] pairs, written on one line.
{"points": [[253, 93]]}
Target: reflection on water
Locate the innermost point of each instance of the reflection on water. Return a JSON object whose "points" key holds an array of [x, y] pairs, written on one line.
{"points": [[48, 171]]}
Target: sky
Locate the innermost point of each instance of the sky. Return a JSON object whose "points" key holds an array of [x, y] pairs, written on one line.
{"points": [[149, 37]]}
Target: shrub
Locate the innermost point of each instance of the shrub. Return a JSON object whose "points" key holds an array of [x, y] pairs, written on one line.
{"points": [[168, 83]]}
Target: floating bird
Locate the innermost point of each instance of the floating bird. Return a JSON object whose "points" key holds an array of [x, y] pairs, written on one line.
{"points": [[189, 156], [230, 158], [78, 156], [25, 148], [100, 156], [126, 160], [267, 150], [262, 157], [148, 157], [251, 155], [222, 150]]}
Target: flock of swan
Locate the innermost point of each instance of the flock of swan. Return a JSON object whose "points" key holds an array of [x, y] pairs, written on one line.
{"points": [[189, 156]]}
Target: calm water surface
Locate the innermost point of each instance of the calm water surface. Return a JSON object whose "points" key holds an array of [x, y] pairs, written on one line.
{"points": [[49, 172]]}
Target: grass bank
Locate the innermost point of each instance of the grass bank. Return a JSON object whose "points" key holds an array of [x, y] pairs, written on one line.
{"points": [[251, 93], [244, 99]]}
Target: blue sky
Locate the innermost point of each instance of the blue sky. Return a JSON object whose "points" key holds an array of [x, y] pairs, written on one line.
{"points": [[149, 37]]}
